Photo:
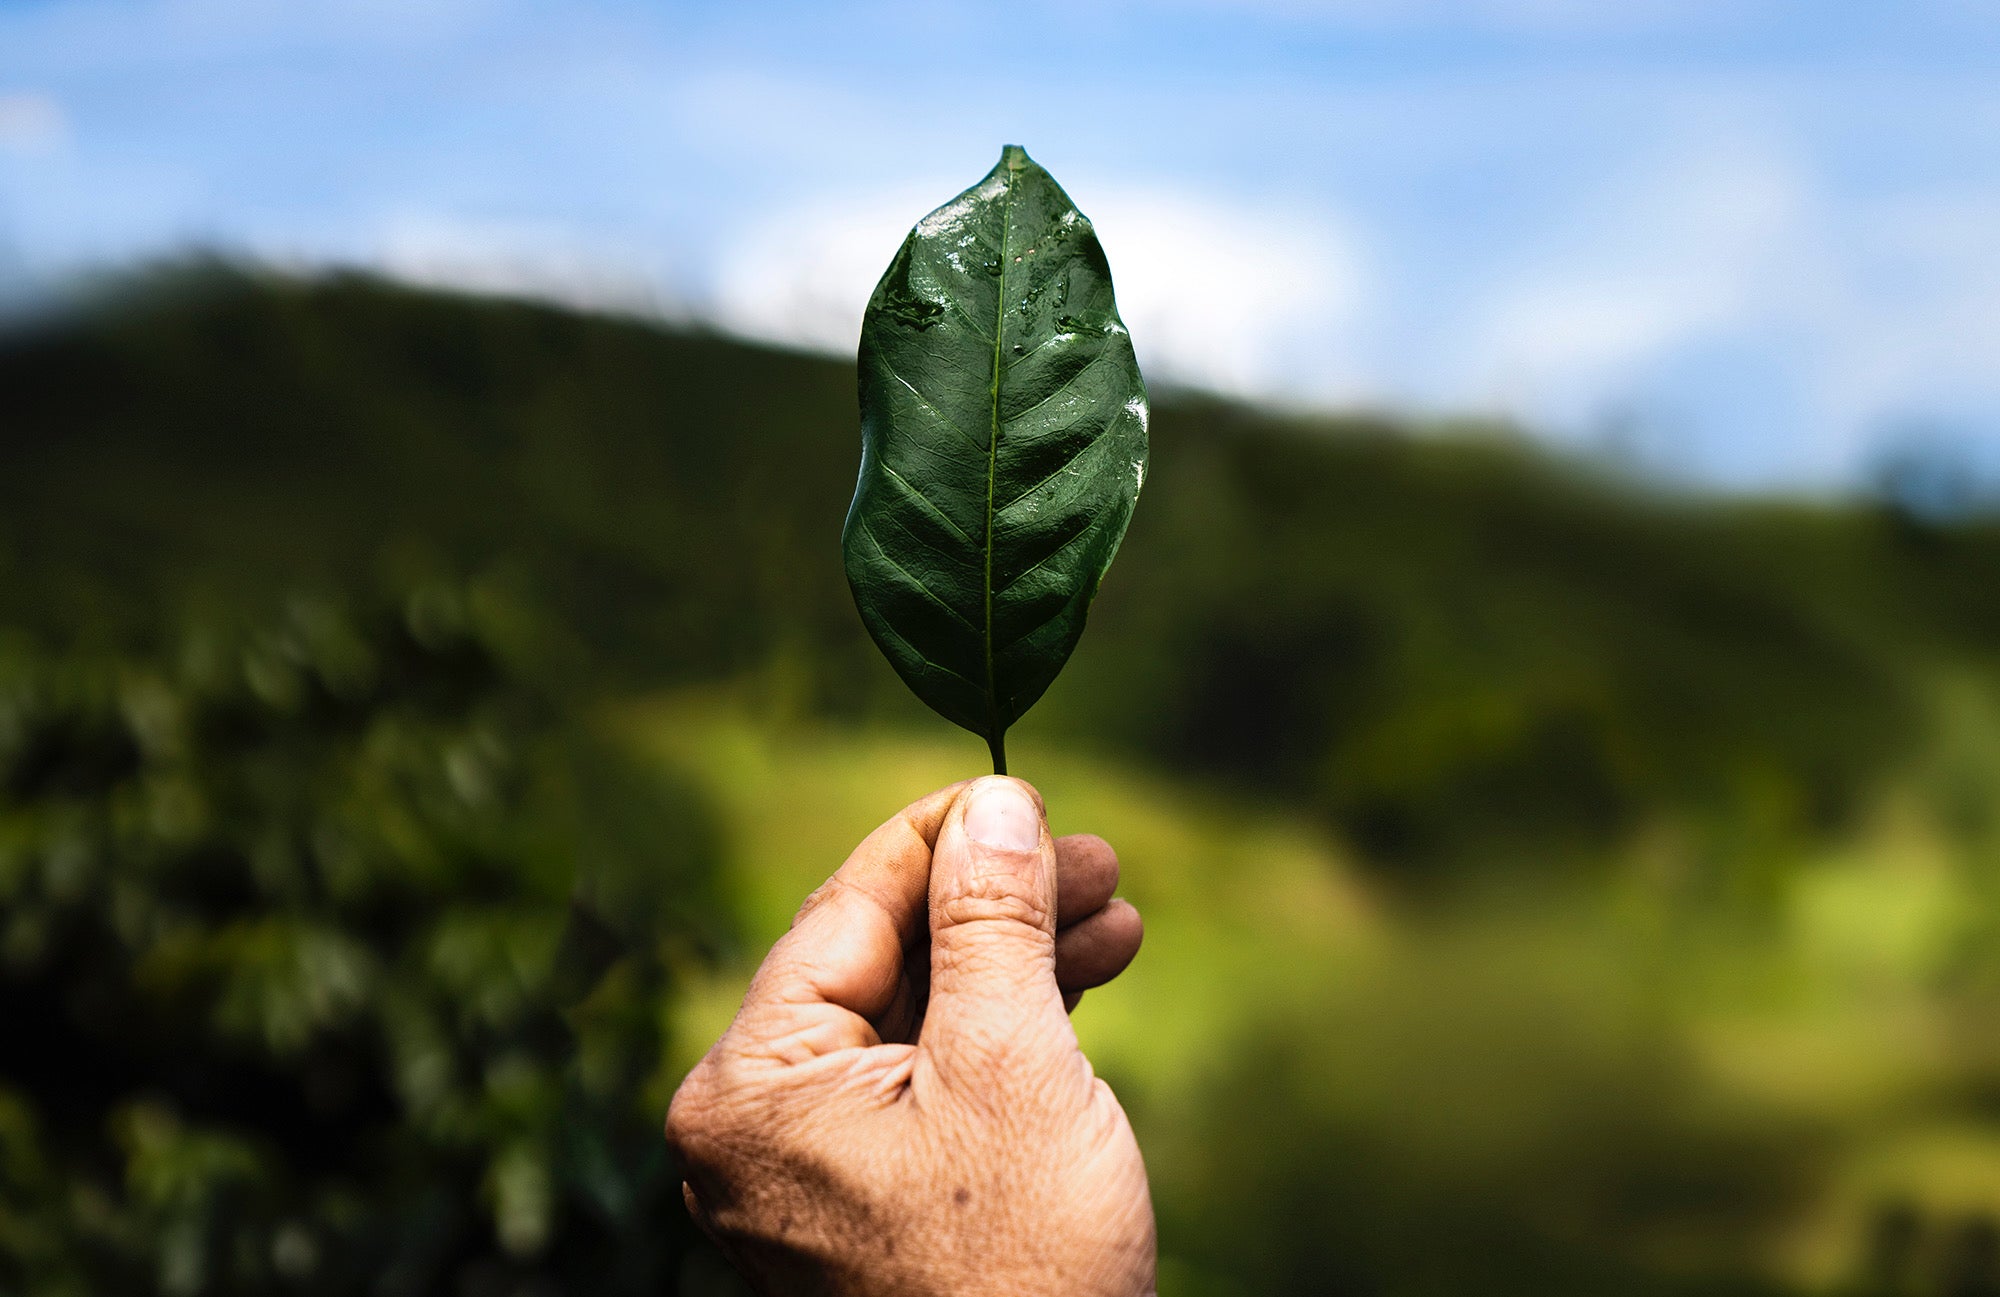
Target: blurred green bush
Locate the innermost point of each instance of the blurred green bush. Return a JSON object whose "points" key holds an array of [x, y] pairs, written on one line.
{"points": [[334, 957]]}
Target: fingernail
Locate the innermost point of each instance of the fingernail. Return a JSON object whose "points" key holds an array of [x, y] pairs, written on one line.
{"points": [[1000, 815]]}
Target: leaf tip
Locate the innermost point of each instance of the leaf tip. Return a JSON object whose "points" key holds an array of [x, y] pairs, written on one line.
{"points": [[1015, 158]]}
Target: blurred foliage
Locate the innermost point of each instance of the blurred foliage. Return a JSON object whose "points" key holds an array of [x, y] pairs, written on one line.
{"points": [[346, 950], [1566, 1085], [334, 960], [1463, 653]]}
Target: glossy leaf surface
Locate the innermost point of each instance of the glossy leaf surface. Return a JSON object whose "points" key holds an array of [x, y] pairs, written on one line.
{"points": [[1003, 445]]}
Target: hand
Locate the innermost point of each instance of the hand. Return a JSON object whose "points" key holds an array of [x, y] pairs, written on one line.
{"points": [[900, 1108]]}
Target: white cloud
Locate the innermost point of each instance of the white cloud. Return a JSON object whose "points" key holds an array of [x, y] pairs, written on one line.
{"points": [[31, 123], [1912, 321], [519, 259], [1217, 294], [1848, 317], [1694, 248], [788, 120], [1241, 299], [803, 277], [1935, 324]]}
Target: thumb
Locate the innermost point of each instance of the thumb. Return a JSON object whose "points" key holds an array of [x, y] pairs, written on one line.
{"points": [[993, 993]]}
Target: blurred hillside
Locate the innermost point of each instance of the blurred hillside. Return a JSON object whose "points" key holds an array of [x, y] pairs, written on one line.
{"points": [[1446, 642], [418, 710]]}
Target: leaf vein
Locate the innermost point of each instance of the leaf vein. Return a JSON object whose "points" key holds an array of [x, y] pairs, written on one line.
{"points": [[1029, 354], [915, 580], [1090, 525], [1040, 625], [930, 405], [1059, 469], [958, 309], [996, 734], [927, 659], [1067, 384], [927, 503]]}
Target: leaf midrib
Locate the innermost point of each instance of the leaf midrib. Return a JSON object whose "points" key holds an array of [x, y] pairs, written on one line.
{"points": [[993, 444]]}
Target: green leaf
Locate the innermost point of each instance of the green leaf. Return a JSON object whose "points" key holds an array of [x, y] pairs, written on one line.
{"points": [[1003, 445]]}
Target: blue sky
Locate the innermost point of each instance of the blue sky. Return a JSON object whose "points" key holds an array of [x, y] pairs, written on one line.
{"points": [[1751, 242]]}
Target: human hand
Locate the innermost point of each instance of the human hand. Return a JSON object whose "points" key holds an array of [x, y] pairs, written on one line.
{"points": [[900, 1108]]}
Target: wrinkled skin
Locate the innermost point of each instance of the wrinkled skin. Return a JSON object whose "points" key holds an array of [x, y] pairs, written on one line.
{"points": [[900, 1108]]}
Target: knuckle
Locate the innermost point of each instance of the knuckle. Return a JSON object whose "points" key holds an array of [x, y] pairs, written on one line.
{"points": [[707, 1119], [728, 1112], [820, 895], [990, 954], [997, 898], [690, 1117]]}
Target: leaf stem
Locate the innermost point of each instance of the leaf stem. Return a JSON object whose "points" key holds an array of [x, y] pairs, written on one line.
{"points": [[997, 745]]}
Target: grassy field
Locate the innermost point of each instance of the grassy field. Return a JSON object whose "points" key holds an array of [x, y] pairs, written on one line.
{"points": [[1638, 1083]]}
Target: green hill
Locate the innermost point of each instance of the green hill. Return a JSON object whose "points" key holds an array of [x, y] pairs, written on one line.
{"points": [[1455, 647], [416, 712]]}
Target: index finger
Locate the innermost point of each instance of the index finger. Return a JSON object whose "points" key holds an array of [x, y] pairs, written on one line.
{"points": [[845, 947]]}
